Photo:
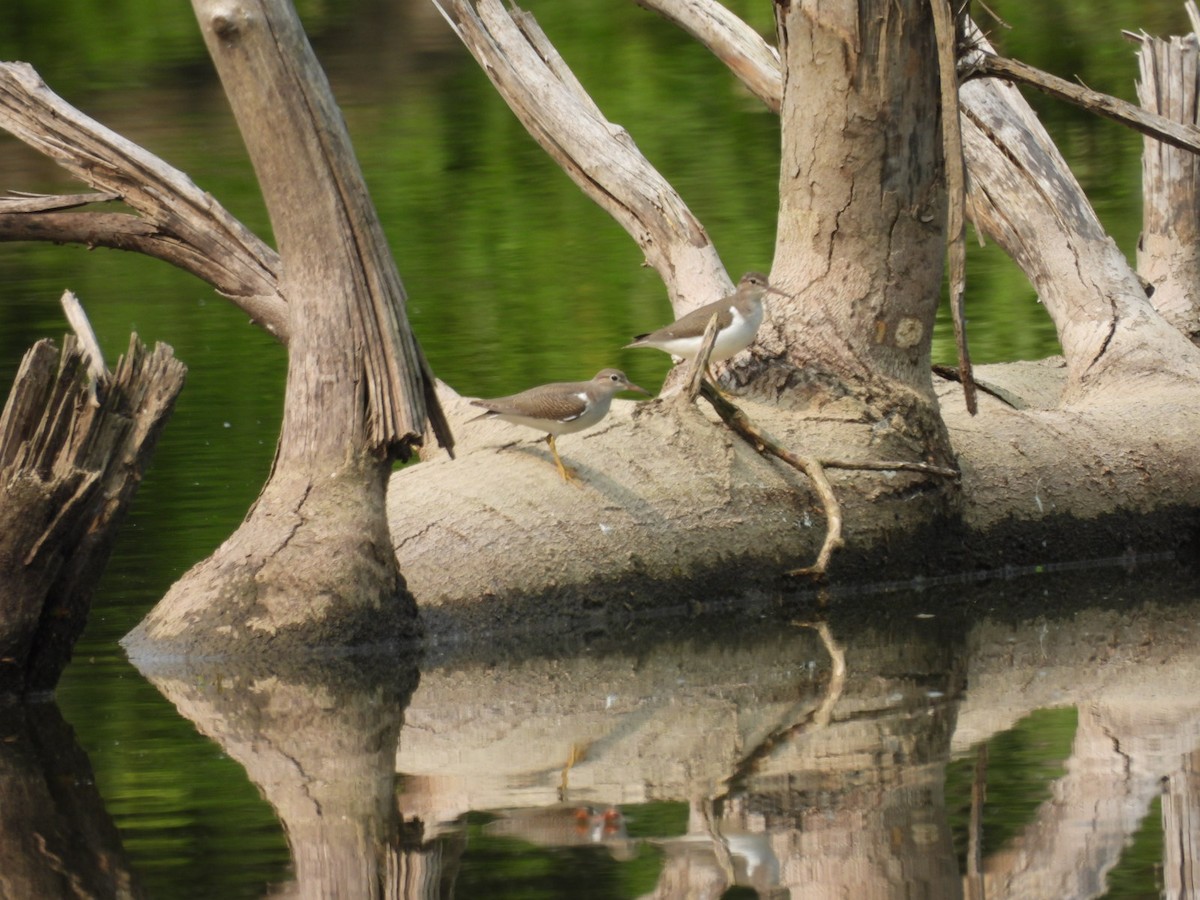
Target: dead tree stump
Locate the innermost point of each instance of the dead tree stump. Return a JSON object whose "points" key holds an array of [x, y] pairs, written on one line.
{"points": [[72, 454], [1169, 248]]}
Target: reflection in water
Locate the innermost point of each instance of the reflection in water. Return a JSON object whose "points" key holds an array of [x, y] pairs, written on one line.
{"points": [[56, 839], [783, 757], [803, 760], [319, 743]]}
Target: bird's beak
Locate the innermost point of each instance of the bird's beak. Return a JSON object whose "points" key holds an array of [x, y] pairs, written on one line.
{"points": [[771, 289], [640, 390]]}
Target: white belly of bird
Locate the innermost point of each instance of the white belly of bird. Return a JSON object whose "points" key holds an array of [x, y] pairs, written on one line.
{"points": [[737, 337]]}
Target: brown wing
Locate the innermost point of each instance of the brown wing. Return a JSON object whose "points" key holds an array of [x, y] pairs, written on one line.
{"points": [[696, 321], [547, 401]]}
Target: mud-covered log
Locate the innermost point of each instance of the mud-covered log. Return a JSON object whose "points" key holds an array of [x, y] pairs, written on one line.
{"points": [[71, 457]]}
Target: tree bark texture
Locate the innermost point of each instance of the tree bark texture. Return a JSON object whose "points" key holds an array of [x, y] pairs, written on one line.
{"points": [[70, 463], [1023, 195], [176, 221], [311, 565], [1169, 246], [862, 205]]}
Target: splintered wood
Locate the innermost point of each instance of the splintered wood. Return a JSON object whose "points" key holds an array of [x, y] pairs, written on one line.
{"points": [[73, 448]]}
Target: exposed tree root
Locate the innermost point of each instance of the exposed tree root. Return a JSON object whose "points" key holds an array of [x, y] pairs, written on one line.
{"points": [[814, 468]]}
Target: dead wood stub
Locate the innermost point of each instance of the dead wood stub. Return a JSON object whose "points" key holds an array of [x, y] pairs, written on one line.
{"points": [[1168, 257], [70, 464]]}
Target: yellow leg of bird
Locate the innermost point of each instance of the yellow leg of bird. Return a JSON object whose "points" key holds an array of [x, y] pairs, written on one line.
{"points": [[566, 473], [577, 753]]}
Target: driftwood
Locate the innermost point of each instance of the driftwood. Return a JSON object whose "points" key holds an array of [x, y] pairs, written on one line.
{"points": [[673, 494], [1073, 448], [72, 454]]}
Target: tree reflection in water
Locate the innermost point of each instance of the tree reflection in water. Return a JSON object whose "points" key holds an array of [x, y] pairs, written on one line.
{"points": [[791, 754]]}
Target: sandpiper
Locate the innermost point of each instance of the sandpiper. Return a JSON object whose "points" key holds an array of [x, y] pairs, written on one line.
{"points": [[738, 316], [561, 408]]}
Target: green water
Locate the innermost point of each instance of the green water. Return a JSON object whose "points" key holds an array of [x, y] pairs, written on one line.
{"points": [[514, 278]]}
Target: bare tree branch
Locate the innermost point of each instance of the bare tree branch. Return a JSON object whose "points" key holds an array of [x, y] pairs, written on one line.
{"points": [[598, 155], [122, 231], [740, 47], [756, 64], [181, 224], [989, 65]]}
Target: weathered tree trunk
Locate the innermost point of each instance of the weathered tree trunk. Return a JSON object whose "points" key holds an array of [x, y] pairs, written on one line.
{"points": [[839, 371], [1169, 247], [71, 460], [862, 207], [733, 530], [312, 564]]}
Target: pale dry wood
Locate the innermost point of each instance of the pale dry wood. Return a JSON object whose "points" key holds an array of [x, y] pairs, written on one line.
{"points": [[731, 40], [310, 565], [598, 155], [178, 222], [814, 468], [1076, 275], [985, 64], [947, 32], [763, 442], [78, 320], [21, 202], [1025, 197], [338, 273], [1168, 251]]}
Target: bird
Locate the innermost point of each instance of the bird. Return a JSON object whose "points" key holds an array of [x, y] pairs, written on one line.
{"points": [[560, 408], [738, 316]]}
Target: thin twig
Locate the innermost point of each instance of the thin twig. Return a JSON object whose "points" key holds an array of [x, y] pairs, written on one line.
{"points": [[814, 468], [987, 65], [24, 202], [946, 30], [699, 364]]}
